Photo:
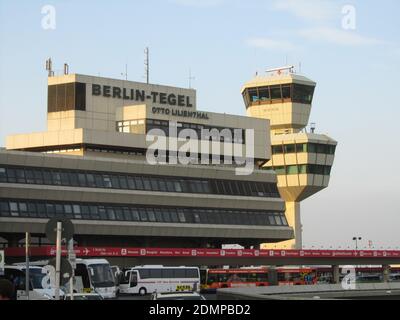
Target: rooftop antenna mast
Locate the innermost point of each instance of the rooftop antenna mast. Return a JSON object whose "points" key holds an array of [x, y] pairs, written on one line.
{"points": [[49, 67], [147, 64], [190, 79], [126, 72]]}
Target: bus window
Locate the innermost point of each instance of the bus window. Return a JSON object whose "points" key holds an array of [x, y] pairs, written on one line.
{"points": [[133, 282], [81, 271]]}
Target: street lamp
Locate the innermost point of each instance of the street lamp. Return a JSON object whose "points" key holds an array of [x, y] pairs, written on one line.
{"points": [[356, 239]]}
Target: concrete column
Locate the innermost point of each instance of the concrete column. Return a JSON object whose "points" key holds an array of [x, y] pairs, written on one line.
{"points": [[386, 273], [336, 274]]}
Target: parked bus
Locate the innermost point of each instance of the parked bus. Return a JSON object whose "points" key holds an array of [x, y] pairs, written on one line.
{"points": [[255, 277], [96, 276], [38, 289], [156, 278]]}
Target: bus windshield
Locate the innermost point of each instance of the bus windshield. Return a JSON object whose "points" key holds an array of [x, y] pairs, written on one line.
{"points": [[101, 275], [36, 277]]}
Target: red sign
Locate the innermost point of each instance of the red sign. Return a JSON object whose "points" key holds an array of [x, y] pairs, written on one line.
{"points": [[49, 251]]}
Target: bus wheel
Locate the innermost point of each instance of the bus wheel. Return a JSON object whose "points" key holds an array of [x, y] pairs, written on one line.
{"points": [[142, 291]]}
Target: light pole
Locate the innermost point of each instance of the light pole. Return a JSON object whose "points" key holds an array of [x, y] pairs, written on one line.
{"points": [[356, 239]]}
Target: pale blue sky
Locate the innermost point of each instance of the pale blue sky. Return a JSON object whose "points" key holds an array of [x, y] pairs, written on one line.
{"points": [[225, 43]]}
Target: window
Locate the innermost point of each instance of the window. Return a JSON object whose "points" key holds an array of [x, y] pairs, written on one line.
{"points": [[163, 185], [174, 215], [271, 219], [85, 212], [253, 95], [38, 176], [77, 211], [119, 214], [56, 178], [139, 183], [144, 273], [301, 147], [64, 176], [122, 182], [280, 170], [181, 216], [111, 213], [90, 180], [167, 273], [179, 273], [286, 94], [41, 210], [131, 183], [23, 209], [292, 170], [14, 209], [289, 148], [146, 183], [127, 214], [20, 173], [276, 92], [277, 149], [29, 175], [82, 179], [196, 217], [47, 177], [278, 220], [51, 210], [155, 273], [67, 210], [151, 215], [154, 184], [303, 169], [102, 213], [32, 209], [158, 214], [135, 215], [177, 186], [107, 181], [3, 175], [264, 94], [115, 182], [4, 209], [143, 215], [303, 93]]}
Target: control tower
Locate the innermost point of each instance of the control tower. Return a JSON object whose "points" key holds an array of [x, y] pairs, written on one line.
{"points": [[302, 160]]}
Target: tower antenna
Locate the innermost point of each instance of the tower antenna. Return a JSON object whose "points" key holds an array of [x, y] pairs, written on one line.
{"points": [[190, 78], [49, 67], [147, 64], [126, 72]]}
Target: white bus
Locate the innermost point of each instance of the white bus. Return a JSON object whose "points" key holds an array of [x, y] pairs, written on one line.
{"points": [[95, 275], [155, 278], [38, 284]]}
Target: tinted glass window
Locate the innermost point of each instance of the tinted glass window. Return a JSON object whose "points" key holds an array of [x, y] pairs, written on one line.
{"points": [[276, 92]]}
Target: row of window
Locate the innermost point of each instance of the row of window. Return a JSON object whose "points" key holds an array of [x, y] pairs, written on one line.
{"points": [[303, 169], [165, 273], [66, 96], [15, 174], [304, 147], [87, 211], [279, 93], [224, 134]]}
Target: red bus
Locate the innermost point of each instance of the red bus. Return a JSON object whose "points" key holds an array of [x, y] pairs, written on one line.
{"points": [[213, 279]]}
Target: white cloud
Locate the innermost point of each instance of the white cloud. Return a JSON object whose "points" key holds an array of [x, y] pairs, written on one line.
{"points": [[338, 36], [271, 44], [199, 3], [313, 10]]}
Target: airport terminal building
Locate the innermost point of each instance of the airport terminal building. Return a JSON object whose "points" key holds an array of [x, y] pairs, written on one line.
{"points": [[92, 166]]}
